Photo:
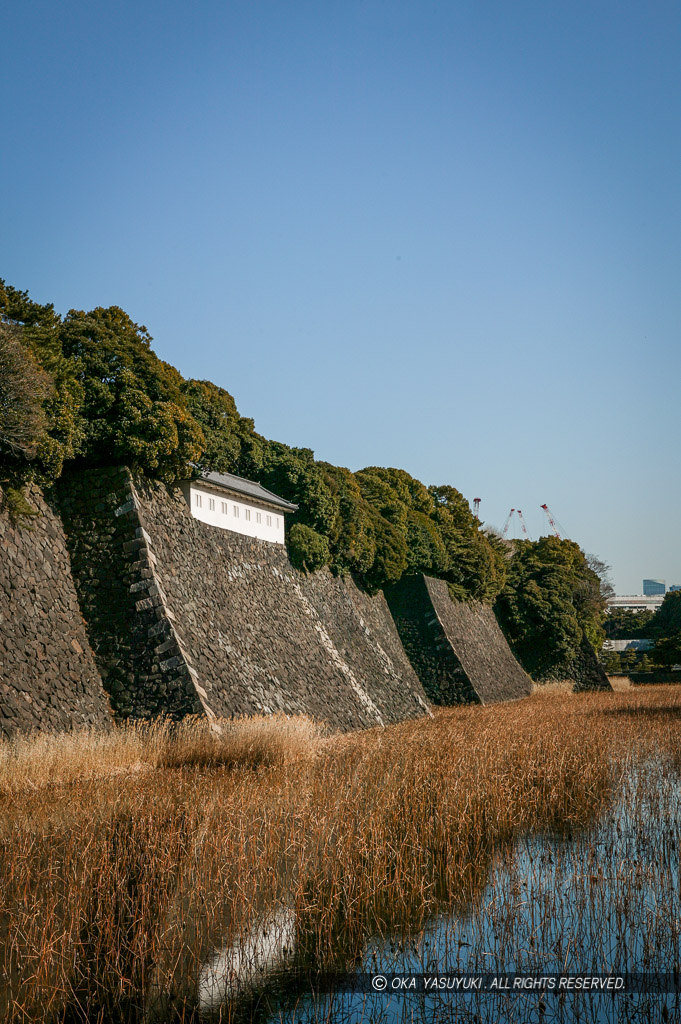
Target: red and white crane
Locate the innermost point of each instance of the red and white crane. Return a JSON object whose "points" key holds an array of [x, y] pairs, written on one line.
{"points": [[508, 520], [509, 517], [522, 523], [559, 533]]}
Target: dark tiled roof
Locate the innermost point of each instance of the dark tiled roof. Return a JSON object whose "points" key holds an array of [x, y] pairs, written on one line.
{"points": [[249, 488]]}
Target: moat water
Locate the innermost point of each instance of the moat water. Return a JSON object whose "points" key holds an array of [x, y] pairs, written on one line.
{"points": [[606, 901]]}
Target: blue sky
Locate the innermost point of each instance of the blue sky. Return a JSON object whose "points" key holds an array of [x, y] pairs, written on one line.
{"points": [[441, 236]]}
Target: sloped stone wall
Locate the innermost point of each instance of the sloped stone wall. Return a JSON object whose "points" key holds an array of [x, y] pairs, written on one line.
{"points": [[186, 617], [176, 617], [430, 652], [48, 676], [264, 637], [457, 648], [143, 667], [586, 669]]}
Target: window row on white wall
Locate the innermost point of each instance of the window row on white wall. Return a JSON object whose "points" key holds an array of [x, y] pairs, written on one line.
{"points": [[227, 509], [237, 516]]}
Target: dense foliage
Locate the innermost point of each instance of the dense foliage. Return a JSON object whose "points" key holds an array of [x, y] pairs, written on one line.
{"points": [[307, 549], [627, 623], [663, 627], [37, 328], [552, 598], [667, 651], [24, 387], [667, 619], [132, 409], [105, 397]]}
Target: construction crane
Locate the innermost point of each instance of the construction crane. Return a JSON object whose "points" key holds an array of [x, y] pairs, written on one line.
{"points": [[476, 507], [522, 523], [553, 523], [508, 520]]}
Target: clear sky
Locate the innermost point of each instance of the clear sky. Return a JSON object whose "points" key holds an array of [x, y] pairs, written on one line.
{"points": [[441, 236]]}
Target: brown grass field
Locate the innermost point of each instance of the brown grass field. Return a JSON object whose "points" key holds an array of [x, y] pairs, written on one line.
{"points": [[127, 859]]}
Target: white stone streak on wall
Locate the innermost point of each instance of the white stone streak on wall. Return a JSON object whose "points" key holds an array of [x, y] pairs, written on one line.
{"points": [[338, 661]]}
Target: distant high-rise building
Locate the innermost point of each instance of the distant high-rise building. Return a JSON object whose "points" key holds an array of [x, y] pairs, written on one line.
{"points": [[674, 586], [652, 587]]}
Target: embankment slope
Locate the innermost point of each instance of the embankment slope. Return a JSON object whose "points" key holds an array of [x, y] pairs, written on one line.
{"points": [[48, 676]]}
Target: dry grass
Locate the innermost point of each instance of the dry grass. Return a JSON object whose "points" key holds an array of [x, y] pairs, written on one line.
{"points": [[29, 763], [249, 742], [33, 762], [555, 687], [620, 683], [117, 890]]}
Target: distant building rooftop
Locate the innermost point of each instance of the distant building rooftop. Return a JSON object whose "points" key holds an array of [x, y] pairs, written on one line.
{"points": [[627, 645], [636, 601], [249, 488]]}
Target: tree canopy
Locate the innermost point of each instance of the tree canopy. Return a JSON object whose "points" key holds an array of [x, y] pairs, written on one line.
{"points": [[552, 598], [108, 398], [24, 389], [667, 619], [627, 623]]}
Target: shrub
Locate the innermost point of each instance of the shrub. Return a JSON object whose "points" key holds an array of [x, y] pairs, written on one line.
{"points": [[19, 508], [307, 549]]}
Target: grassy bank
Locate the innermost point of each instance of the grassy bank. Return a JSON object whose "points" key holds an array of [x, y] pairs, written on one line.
{"points": [[125, 860]]}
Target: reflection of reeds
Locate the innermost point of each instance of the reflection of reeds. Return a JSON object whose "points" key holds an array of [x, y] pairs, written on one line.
{"points": [[118, 888]]}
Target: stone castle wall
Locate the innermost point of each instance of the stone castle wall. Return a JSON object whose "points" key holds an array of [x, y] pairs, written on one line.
{"points": [[143, 667], [48, 676], [426, 644], [586, 670], [124, 602], [188, 617], [456, 648]]}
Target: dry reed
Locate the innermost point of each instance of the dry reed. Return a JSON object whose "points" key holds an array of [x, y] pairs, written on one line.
{"points": [[116, 890], [620, 683], [255, 741], [44, 759]]}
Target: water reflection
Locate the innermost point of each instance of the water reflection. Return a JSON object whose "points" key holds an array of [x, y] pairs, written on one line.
{"points": [[243, 967], [604, 900]]}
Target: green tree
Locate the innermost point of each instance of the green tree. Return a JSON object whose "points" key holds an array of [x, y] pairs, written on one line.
{"points": [[627, 623], [667, 651], [223, 429], [629, 659], [61, 402], [351, 537], [551, 599], [295, 475], [133, 408], [667, 619], [612, 663], [439, 534], [308, 550], [24, 388], [390, 552]]}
